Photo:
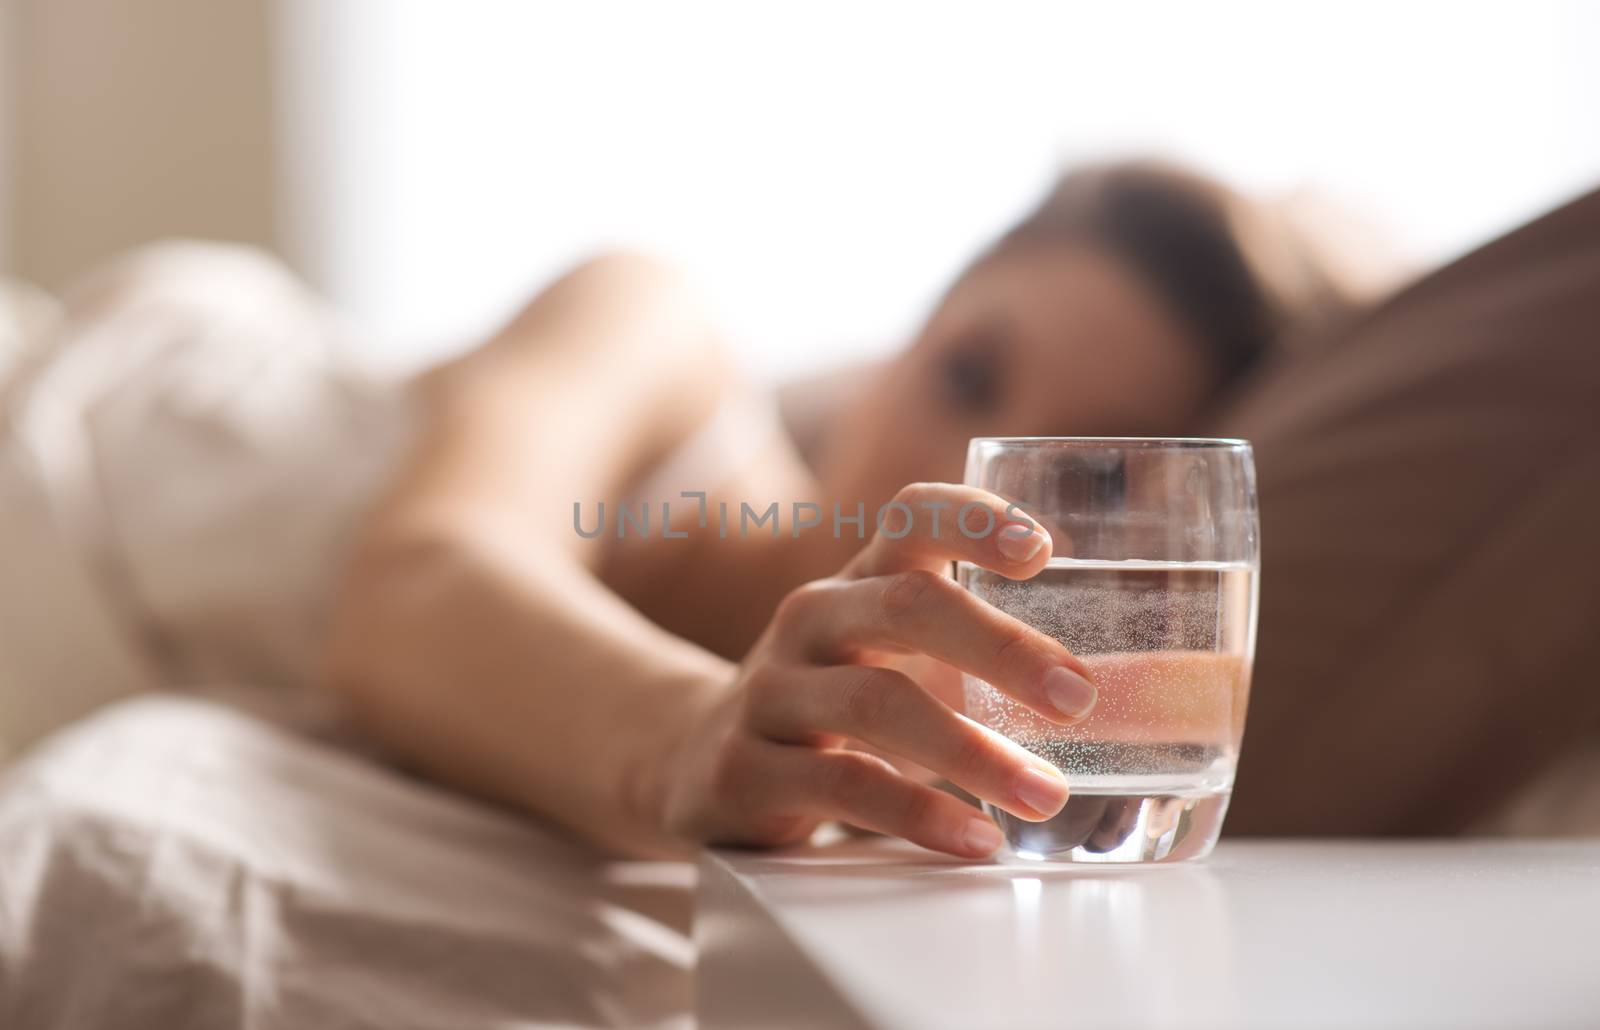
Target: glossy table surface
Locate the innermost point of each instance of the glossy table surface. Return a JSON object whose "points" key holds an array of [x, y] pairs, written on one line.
{"points": [[1263, 933]]}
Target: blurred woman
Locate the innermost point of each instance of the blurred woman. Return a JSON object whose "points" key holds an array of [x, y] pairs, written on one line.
{"points": [[189, 455], [649, 691]]}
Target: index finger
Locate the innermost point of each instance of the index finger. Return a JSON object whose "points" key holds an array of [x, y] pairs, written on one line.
{"points": [[930, 524], [922, 612]]}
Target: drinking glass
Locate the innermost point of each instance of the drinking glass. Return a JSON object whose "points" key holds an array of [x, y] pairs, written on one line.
{"points": [[1153, 584]]}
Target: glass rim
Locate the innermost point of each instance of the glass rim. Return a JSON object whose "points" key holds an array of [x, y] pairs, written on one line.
{"points": [[1126, 442]]}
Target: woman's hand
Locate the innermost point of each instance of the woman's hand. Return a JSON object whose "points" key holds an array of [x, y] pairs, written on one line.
{"points": [[769, 761]]}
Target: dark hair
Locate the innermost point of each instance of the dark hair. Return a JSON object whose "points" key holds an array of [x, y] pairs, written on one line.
{"points": [[1229, 274]]}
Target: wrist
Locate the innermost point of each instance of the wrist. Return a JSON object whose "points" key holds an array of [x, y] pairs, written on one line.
{"points": [[668, 727]]}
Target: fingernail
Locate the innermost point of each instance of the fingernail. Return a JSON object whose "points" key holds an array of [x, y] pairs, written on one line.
{"points": [[1070, 694], [981, 837], [1044, 792], [1020, 548]]}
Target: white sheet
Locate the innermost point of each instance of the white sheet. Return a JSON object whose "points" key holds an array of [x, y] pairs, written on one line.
{"points": [[171, 863], [184, 452]]}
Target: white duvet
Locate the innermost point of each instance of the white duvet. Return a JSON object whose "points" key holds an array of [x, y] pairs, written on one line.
{"points": [[185, 449], [171, 863]]}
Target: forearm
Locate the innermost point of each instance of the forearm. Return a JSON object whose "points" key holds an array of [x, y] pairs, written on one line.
{"points": [[510, 672], [472, 635]]}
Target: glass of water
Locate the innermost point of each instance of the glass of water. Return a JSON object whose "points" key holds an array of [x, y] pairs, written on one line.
{"points": [[1153, 584]]}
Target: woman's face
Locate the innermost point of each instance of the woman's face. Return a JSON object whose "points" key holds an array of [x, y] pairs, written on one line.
{"points": [[1050, 342]]}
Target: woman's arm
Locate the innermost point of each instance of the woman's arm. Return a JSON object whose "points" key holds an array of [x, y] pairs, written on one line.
{"points": [[600, 376], [472, 636], [475, 640]]}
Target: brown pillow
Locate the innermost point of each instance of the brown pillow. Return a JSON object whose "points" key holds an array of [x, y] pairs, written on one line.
{"points": [[1430, 498]]}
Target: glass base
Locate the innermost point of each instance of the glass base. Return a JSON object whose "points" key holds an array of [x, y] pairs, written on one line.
{"points": [[1120, 827]]}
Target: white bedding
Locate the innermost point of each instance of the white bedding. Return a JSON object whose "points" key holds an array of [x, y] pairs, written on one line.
{"points": [[185, 448], [170, 863]]}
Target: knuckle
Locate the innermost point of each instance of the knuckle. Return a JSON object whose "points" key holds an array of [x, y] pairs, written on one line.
{"points": [[846, 780], [920, 808], [911, 493], [977, 519], [869, 696], [760, 691], [1014, 652], [969, 758], [907, 592], [798, 604]]}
